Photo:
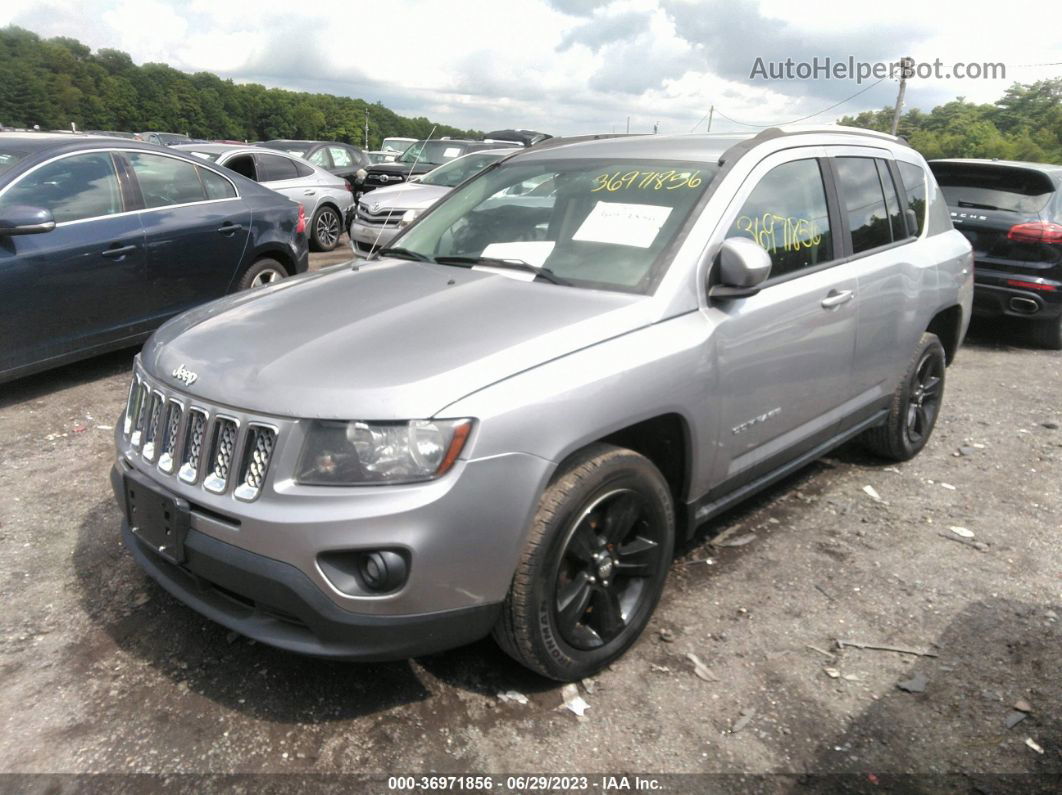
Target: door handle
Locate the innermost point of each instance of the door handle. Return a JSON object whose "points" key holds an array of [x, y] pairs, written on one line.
{"points": [[117, 252], [309, 192], [835, 298], [228, 228]]}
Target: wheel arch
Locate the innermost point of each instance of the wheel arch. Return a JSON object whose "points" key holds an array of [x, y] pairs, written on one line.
{"points": [[947, 325]]}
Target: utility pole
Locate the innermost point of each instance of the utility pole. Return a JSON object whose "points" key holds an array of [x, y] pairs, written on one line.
{"points": [[906, 65], [711, 112], [366, 128]]}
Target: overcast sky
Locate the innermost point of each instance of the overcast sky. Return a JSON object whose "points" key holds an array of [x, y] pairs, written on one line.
{"points": [[567, 66]]}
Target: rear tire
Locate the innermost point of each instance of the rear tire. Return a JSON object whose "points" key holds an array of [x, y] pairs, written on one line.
{"points": [[915, 405], [1048, 333], [263, 272], [325, 229], [602, 541]]}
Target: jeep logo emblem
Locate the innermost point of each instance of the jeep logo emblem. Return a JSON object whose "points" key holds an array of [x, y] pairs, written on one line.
{"points": [[185, 376]]}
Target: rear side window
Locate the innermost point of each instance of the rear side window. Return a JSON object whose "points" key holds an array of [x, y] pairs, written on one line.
{"points": [[302, 169], [73, 188], [217, 187], [914, 184], [786, 214], [863, 202], [272, 168], [165, 181], [988, 187], [320, 158]]}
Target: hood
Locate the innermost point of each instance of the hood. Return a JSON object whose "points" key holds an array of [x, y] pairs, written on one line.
{"points": [[406, 196], [395, 340]]}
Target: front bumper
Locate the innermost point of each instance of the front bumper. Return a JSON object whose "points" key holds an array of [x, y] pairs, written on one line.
{"points": [[367, 237], [276, 604]]}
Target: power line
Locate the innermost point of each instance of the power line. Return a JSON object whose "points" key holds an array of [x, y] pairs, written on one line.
{"points": [[794, 121]]}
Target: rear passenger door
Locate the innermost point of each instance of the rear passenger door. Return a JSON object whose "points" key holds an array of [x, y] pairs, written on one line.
{"points": [[785, 354], [877, 243], [196, 229]]}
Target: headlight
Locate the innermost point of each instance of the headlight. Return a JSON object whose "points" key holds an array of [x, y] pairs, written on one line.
{"points": [[409, 216], [363, 453]]}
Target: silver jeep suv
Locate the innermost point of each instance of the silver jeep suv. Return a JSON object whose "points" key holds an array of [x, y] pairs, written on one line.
{"points": [[505, 422]]}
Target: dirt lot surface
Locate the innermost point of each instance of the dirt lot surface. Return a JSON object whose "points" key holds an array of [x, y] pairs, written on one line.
{"points": [[103, 671]]}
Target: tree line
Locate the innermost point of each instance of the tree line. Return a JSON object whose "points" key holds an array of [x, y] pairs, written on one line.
{"points": [[1024, 124], [51, 83]]}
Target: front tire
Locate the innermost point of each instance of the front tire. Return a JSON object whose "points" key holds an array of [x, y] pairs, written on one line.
{"points": [[915, 405], [594, 565], [325, 229]]}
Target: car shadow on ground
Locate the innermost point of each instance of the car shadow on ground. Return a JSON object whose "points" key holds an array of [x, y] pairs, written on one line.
{"points": [[144, 621], [68, 376], [1000, 333], [992, 655]]}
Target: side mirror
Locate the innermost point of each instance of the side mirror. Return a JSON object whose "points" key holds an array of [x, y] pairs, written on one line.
{"points": [[743, 268], [19, 219]]}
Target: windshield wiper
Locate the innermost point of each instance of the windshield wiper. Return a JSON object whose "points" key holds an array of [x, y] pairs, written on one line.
{"points": [[403, 253], [512, 264]]}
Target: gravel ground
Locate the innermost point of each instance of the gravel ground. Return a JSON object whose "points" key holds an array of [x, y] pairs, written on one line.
{"points": [[102, 671]]}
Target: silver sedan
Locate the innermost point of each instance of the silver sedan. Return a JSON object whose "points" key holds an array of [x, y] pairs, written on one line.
{"points": [[326, 198]]}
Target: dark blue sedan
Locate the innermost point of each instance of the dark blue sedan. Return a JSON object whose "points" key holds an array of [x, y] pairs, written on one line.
{"points": [[102, 240]]}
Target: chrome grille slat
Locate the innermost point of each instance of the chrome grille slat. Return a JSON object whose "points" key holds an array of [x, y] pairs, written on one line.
{"points": [[168, 448], [261, 441], [141, 414], [193, 445], [130, 406], [151, 424], [222, 452]]}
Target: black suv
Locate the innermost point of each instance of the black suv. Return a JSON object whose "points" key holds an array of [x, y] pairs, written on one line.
{"points": [[343, 160], [1011, 212], [420, 158]]}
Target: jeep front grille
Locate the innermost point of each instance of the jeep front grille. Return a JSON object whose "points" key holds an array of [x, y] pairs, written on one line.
{"points": [[193, 445], [168, 446], [259, 451], [222, 451]]}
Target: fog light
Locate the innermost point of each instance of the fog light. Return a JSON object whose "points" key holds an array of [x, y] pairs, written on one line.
{"points": [[382, 571]]}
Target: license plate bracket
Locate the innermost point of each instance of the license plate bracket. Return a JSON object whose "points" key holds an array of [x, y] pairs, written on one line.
{"points": [[159, 520]]}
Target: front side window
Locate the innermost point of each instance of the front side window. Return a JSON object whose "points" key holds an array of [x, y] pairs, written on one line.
{"points": [[591, 223], [914, 184], [165, 181], [786, 214], [72, 188], [340, 156], [863, 201]]}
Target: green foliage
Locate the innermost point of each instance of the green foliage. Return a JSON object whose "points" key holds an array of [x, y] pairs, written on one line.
{"points": [[55, 82], [1024, 124]]}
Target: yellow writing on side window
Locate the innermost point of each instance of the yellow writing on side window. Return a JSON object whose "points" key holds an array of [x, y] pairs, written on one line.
{"points": [[646, 180], [773, 231]]}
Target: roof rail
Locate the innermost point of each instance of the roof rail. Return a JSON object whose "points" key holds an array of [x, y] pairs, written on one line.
{"points": [[771, 133]]}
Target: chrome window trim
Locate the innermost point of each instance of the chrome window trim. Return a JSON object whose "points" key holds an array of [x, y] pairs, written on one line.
{"points": [[196, 162]]}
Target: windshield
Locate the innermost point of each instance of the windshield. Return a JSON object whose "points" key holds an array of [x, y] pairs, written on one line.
{"points": [[9, 157], [395, 145], [592, 223], [457, 171], [432, 152]]}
